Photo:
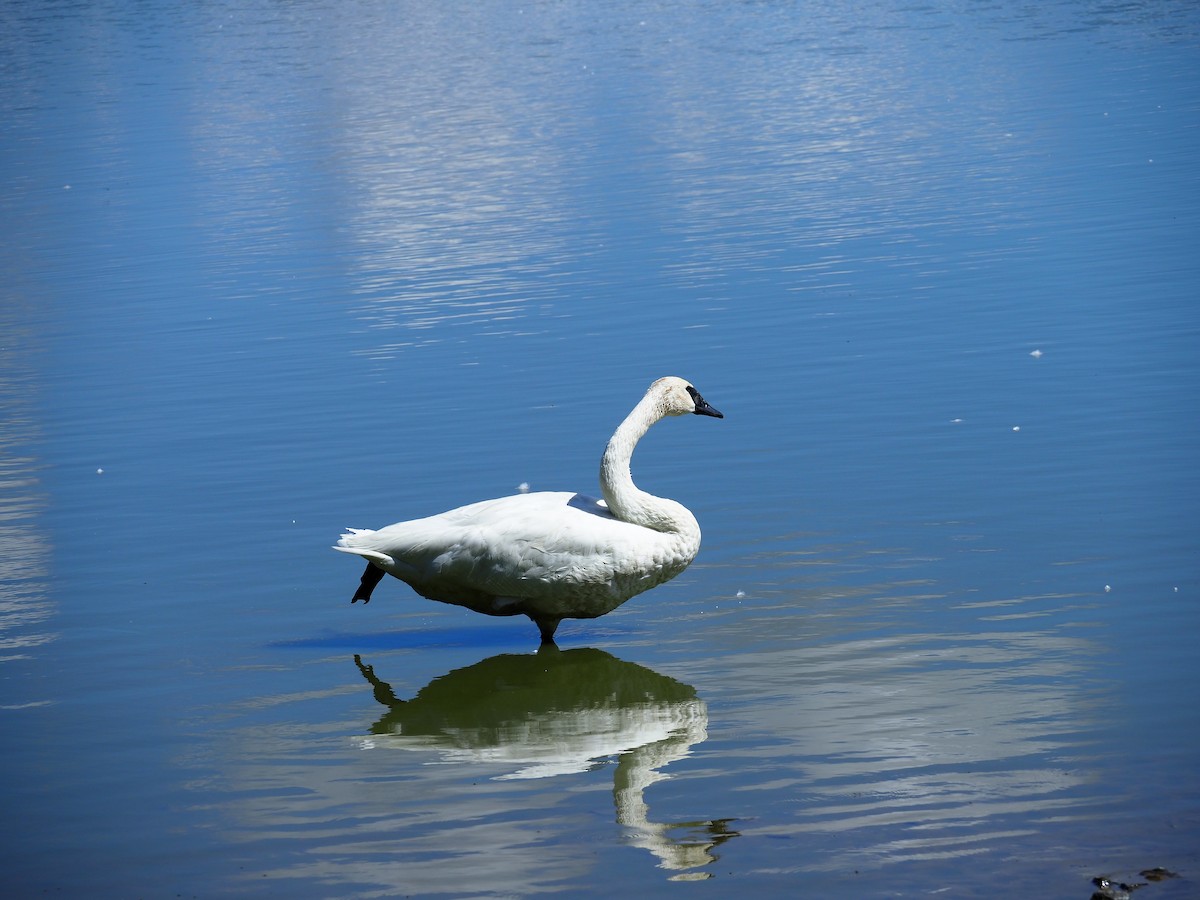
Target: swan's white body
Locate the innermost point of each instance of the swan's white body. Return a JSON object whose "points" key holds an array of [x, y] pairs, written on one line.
{"points": [[548, 555]]}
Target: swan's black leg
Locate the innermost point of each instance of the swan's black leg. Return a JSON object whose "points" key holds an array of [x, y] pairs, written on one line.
{"points": [[547, 627], [383, 691], [370, 578]]}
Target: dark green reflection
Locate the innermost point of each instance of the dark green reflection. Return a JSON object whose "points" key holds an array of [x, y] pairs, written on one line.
{"points": [[563, 711]]}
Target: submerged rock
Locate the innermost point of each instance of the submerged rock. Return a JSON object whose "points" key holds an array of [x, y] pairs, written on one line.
{"points": [[1110, 889]]}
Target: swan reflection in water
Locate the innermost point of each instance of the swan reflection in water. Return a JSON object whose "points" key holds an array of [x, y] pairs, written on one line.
{"points": [[559, 712]]}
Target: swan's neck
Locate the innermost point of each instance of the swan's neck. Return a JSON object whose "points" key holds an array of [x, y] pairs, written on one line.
{"points": [[625, 500]]}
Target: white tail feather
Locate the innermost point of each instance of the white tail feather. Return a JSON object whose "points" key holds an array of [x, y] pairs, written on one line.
{"points": [[346, 544]]}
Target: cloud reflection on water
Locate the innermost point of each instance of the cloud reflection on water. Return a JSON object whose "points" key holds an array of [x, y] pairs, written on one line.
{"points": [[901, 722], [25, 607]]}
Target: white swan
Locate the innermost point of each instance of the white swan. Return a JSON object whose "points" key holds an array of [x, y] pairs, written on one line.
{"points": [[547, 555]]}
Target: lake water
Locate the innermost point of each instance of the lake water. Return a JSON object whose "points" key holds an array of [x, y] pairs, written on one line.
{"points": [[270, 270]]}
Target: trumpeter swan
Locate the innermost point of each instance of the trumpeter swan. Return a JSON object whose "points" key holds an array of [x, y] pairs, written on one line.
{"points": [[548, 555]]}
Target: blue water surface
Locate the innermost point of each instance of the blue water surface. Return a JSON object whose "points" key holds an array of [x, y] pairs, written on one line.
{"points": [[271, 270]]}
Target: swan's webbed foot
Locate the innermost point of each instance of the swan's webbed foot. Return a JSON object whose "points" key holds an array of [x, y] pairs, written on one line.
{"points": [[370, 578]]}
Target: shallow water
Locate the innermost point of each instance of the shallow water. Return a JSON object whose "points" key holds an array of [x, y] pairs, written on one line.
{"points": [[275, 270]]}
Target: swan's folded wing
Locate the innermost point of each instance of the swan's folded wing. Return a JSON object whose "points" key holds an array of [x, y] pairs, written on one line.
{"points": [[526, 545]]}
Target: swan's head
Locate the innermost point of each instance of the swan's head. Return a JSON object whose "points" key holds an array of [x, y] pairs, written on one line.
{"points": [[678, 398]]}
